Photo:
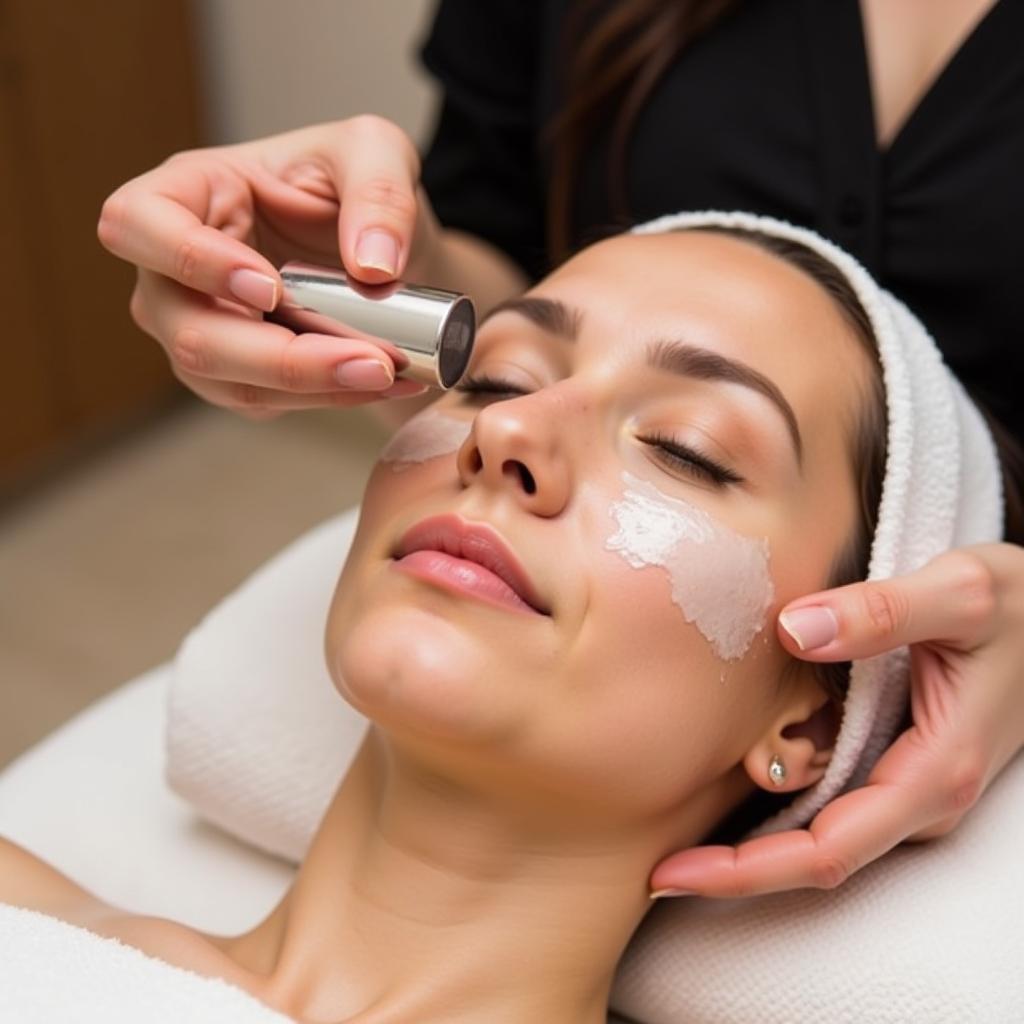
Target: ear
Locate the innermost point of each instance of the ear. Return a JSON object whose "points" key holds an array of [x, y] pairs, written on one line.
{"points": [[803, 735]]}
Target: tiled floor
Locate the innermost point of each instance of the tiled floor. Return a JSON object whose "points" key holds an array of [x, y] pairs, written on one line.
{"points": [[103, 573]]}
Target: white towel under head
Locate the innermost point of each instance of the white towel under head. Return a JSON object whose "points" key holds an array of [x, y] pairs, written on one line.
{"points": [[942, 489]]}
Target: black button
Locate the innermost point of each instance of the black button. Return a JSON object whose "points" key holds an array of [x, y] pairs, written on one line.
{"points": [[851, 210]]}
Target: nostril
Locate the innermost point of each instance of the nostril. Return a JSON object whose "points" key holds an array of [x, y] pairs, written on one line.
{"points": [[529, 484]]}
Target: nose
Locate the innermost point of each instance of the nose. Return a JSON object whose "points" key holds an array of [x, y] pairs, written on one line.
{"points": [[518, 446]]}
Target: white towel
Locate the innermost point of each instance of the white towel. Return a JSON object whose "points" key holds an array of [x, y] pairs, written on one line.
{"points": [[928, 934], [257, 736], [52, 972]]}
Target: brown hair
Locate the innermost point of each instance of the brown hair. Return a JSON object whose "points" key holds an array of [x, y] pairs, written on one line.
{"points": [[614, 55]]}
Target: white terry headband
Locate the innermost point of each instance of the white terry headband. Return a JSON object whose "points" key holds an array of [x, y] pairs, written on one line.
{"points": [[942, 489]]}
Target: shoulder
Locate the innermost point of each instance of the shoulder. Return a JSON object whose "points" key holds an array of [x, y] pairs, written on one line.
{"points": [[29, 881]]}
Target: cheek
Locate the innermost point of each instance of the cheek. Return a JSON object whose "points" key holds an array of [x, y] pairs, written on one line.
{"points": [[645, 712], [822, 513], [427, 435], [669, 674], [720, 579], [417, 460], [810, 533], [395, 486]]}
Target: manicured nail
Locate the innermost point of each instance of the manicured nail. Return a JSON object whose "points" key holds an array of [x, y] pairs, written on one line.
{"points": [[254, 288], [405, 389], [364, 374], [811, 627], [658, 893], [377, 250]]}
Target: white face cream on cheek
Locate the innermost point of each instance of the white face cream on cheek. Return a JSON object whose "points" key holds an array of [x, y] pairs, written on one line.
{"points": [[425, 436], [719, 578]]}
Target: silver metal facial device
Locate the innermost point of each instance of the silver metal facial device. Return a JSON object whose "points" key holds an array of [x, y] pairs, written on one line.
{"points": [[428, 332]]}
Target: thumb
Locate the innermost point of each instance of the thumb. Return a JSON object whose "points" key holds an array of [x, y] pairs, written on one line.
{"points": [[950, 600]]}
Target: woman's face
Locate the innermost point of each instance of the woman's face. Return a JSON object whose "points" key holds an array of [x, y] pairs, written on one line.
{"points": [[614, 700]]}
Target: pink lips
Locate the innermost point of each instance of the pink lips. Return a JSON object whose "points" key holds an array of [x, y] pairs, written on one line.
{"points": [[468, 557]]}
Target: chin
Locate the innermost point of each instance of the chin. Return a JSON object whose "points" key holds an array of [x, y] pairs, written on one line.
{"points": [[411, 669]]}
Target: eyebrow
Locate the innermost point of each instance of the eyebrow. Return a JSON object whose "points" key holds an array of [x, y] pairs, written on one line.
{"points": [[550, 314], [676, 357]]}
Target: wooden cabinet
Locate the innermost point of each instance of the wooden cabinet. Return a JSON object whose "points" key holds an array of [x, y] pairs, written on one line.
{"points": [[90, 95]]}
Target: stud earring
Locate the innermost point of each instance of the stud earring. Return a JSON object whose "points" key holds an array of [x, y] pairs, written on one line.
{"points": [[776, 770]]}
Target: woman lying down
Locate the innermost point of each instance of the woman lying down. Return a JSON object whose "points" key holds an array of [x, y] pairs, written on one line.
{"points": [[559, 615]]}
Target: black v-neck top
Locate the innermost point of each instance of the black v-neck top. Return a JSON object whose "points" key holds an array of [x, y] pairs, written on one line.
{"points": [[770, 112]]}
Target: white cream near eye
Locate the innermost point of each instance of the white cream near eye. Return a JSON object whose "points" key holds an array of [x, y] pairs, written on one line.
{"points": [[719, 578], [426, 436]]}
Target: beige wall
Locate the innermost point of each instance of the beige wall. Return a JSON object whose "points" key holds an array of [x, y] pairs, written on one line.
{"points": [[268, 66]]}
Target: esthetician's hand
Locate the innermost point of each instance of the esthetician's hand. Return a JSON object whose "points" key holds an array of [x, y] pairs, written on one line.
{"points": [[208, 228], [963, 617]]}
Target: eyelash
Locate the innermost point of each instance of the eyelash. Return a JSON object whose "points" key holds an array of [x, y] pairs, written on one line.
{"points": [[692, 461], [486, 385], [677, 455]]}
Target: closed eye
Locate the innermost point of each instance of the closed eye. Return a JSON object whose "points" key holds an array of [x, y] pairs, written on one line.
{"points": [[484, 385], [695, 463], [668, 451]]}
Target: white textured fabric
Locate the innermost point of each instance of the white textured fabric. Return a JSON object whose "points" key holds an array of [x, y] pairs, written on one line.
{"points": [[91, 799], [52, 971], [942, 489], [929, 933], [258, 738]]}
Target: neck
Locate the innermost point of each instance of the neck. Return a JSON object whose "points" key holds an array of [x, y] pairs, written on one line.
{"points": [[420, 900]]}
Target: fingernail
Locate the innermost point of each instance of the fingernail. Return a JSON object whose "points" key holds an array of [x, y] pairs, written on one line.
{"points": [[361, 374], [658, 893], [405, 389], [810, 627], [377, 250], [254, 288]]}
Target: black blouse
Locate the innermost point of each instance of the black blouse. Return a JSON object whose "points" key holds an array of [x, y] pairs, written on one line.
{"points": [[770, 112]]}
